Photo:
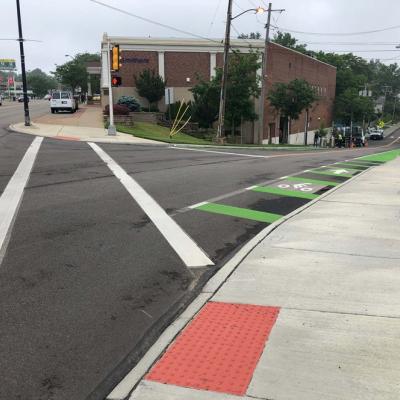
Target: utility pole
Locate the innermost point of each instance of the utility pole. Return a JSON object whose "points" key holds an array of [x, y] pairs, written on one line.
{"points": [[222, 100], [24, 85], [264, 76]]}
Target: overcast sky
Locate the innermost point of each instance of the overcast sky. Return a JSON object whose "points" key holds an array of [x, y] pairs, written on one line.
{"points": [[72, 26]]}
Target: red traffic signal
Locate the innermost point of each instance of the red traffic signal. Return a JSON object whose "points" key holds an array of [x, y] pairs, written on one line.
{"points": [[116, 81]]}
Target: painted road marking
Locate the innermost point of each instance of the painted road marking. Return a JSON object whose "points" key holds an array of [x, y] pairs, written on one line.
{"points": [[12, 195], [222, 152], [184, 246], [316, 181], [285, 192], [305, 186], [219, 350], [239, 212], [347, 173], [352, 166]]}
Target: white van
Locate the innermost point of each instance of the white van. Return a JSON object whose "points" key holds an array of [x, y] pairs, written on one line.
{"points": [[62, 101]]}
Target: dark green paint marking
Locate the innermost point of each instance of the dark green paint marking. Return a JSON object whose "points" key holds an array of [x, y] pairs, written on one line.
{"points": [[239, 212]]}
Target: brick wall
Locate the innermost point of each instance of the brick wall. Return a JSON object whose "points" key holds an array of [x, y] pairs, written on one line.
{"points": [[284, 66], [179, 66], [134, 62]]}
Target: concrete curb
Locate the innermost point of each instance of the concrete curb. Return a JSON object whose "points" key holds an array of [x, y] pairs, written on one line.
{"points": [[128, 384]]}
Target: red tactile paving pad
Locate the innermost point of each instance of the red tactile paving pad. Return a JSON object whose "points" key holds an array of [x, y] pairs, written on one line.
{"points": [[218, 350]]}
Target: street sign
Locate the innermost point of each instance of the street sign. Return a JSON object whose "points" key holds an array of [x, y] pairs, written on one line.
{"points": [[7, 64]]}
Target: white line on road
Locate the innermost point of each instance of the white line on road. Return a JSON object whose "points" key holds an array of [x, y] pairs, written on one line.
{"points": [[12, 195], [203, 203], [222, 152], [190, 253]]}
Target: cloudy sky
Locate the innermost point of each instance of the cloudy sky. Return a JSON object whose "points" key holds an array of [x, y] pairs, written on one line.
{"points": [[72, 26]]}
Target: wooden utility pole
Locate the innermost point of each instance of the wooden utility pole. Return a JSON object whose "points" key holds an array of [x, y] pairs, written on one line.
{"points": [[222, 100], [263, 98]]}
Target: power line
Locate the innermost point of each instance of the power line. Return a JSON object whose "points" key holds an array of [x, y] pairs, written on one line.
{"points": [[150, 21], [336, 33], [214, 17], [354, 43]]}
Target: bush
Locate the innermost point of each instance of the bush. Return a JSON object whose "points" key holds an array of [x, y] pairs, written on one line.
{"points": [[174, 108], [118, 110], [130, 102]]}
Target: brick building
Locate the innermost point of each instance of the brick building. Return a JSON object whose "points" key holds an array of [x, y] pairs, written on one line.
{"points": [[182, 61]]}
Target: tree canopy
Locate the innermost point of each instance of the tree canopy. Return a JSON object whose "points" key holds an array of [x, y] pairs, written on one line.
{"points": [[242, 88], [73, 74], [287, 40], [290, 99], [354, 74], [39, 82]]}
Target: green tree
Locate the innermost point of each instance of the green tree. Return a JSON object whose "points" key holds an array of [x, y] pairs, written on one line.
{"points": [[291, 99], [287, 40], [39, 82], [205, 104], [73, 74], [251, 35], [151, 86], [350, 106], [242, 88]]}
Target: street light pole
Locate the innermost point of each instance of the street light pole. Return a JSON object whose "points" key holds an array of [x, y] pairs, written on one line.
{"points": [[221, 115], [112, 131], [24, 85]]}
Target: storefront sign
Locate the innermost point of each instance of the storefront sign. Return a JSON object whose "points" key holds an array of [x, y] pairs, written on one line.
{"points": [[135, 60], [7, 64]]}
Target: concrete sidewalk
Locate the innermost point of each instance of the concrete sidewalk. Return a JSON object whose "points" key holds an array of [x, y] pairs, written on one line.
{"points": [[312, 313], [85, 125]]}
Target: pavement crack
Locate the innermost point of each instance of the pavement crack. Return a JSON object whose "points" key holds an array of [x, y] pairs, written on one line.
{"points": [[337, 252], [69, 181], [341, 312]]}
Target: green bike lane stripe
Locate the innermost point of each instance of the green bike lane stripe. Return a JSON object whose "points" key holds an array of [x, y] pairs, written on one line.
{"points": [[316, 181], [383, 157], [285, 192], [239, 212]]}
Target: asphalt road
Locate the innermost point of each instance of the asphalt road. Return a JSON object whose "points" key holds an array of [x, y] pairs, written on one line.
{"points": [[88, 279]]}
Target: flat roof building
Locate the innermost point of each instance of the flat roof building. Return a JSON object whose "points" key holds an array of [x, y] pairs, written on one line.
{"points": [[181, 62]]}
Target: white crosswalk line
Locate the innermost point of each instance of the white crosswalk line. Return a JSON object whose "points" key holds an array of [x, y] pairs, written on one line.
{"points": [[190, 253], [12, 195]]}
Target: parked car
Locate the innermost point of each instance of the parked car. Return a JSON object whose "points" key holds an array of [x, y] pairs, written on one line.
{"points": [[62, 101], [376, 134], [1, 100], [47, 97], [21, 99]]}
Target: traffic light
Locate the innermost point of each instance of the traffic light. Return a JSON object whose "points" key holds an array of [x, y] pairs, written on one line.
{"points": [[116, 81], [115, 58]]}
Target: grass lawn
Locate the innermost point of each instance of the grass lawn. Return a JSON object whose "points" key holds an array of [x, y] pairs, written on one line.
{"points": [[150, 131], [159, 133]]}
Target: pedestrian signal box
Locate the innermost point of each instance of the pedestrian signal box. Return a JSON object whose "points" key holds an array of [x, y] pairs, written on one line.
{"points": [[116, 81]]}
